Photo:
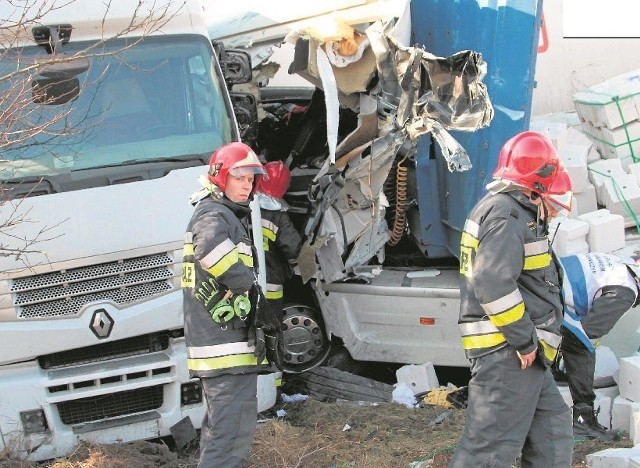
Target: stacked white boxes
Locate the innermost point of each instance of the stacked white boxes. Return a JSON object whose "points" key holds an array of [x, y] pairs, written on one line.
{"points": [[610, 116]]}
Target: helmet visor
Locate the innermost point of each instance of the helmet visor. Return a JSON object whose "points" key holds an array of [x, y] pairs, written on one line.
{"points": [[560, 201], [246, 170]]}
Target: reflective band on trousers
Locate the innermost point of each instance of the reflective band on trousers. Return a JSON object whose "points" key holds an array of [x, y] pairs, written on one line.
{"points": [[224, 362], [222, 356], [274, 291]]}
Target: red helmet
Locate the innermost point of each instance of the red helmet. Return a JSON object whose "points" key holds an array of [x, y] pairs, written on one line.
{"points": [[528, 159], [233, 158], [560, 193], [277, 180]]}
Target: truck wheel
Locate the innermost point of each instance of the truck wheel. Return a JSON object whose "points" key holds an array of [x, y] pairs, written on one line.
{"points": [[305, 341]]}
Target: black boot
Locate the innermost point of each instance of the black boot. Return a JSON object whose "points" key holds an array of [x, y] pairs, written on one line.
{"points": [[585, 424]]}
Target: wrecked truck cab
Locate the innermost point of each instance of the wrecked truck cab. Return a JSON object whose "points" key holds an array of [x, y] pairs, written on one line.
{"points": [[373, 153]]}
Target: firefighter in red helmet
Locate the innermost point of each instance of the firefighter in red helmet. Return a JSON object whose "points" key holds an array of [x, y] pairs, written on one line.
{"points": [[217, 276], [510, 316], [282, 241]]}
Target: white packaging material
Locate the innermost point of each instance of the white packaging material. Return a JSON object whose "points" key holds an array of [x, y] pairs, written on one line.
{"points": [[585, 201], [574, 158], [568, 236], [612, 458], [629, 378], [606, 230]]}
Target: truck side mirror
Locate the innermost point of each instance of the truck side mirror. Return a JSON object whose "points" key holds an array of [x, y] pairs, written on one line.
{"points": [[235, 64], [246, 112]]}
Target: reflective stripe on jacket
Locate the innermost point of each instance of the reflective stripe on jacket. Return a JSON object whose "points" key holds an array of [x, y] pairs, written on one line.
{"points": [[510, 293], [281, 243], [217, 259]]}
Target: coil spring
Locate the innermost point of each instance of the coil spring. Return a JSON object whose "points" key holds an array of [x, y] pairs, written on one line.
{"points": [[401, 203]]}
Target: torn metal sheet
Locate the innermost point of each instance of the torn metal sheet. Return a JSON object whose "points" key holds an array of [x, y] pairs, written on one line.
{"points": [[370, 243], [331, 101]]}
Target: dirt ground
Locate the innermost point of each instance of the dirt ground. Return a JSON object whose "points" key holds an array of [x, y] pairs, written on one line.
{"points": [[318, 434]]}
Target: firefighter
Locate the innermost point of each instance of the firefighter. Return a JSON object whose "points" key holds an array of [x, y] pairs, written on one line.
{"points": [[510, 317], [281, 240], [224, 348], [598, 289]]}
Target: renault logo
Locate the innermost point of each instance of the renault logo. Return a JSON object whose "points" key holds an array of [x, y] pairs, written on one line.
{"points": [[101, 324]]}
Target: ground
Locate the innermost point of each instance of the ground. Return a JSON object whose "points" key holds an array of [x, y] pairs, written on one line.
{"points": [[318, 434]]}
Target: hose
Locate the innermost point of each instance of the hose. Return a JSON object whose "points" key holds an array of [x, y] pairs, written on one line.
{"points": [[401, 203]]}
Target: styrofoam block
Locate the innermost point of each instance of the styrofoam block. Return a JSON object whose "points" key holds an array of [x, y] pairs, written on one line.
{"points": [[419, 377], [621, 413], [566, 394], [599, 99], [634, 425], [606, 230], [612, 458], [629, 378], [602, 406], [555, 131], [621, 194], [622, 134], [568, 236], [594, 155], [606, 365], [576, 137], [634, 170], [585, 201], [574, 158], [602, 170], [634, 462]]}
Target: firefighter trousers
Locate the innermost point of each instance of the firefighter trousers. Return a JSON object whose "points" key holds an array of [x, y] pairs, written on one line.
{"points": [[580, 367], [230, 422], [514, 412]]}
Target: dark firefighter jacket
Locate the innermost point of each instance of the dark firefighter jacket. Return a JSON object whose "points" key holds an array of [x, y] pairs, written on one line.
{"points": [[281, 245], [510, 293], [217, 258], [600, 285]]}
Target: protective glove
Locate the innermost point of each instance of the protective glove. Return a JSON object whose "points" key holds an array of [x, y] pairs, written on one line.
{"points": [[266, 321], [256, 339]]}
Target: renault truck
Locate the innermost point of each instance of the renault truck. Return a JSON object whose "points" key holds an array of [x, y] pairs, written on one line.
{"points": [[109, 113]]}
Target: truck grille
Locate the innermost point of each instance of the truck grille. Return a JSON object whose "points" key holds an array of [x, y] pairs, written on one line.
{"points": [[110, 406], [137, 345], [65, 292]]}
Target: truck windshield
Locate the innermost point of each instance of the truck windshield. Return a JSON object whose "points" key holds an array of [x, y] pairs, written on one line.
{"points": [[156, 99]]}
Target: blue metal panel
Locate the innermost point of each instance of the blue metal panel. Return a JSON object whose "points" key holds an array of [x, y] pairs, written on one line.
{"points": [[506, 33]]}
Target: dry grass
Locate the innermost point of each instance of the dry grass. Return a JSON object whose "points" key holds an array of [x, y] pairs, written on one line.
{"points": [[316, 434]]}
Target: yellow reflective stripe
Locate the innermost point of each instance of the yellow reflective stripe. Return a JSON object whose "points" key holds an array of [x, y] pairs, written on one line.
{"points": [[223, 362], [549, 351], [508, 316], [552, 339], [246, 259], [483, 341], [504, 303], [274, 295], [536, 255], [467, 240], [187, 250], [224, 264], [217, 253], [269, 234], [537, 262], [279, 382]]}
